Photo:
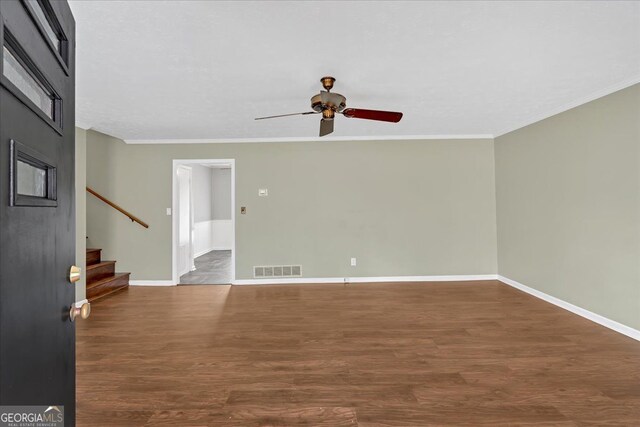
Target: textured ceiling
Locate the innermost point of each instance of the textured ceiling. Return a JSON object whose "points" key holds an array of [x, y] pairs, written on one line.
{"points": [[203, 70]]}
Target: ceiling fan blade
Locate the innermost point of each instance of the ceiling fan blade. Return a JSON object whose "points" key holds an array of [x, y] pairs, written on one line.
{"points": [[326, 127], [286, 115], [382, 116]]}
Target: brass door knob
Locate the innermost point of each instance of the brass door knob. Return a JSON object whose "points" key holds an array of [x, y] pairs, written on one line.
{"points": [[83, 311], [74, 273]]}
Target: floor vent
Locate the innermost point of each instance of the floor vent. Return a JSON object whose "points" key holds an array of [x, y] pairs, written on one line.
{"points": [[277, 271]]}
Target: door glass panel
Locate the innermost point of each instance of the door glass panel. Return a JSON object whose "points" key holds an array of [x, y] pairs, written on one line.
{"points": [[19, 76], [33, 177], [42, 17], [32, 180]]}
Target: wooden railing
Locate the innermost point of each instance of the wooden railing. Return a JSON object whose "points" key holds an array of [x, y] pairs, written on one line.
{"points": [[118, 208]]}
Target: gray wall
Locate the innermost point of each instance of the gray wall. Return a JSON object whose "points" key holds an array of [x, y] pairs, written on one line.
{"points": [[568, 206], [221, 193], [401, 207], [202, 193], [81, 217]]}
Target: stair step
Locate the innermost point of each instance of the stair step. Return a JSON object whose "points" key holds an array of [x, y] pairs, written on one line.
{"points": [[100, 270], [107, 293], [93, 256], [107, 286]]}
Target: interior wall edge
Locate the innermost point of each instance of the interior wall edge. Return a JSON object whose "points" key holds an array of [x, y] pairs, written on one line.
{"points": [[568, 199], [577, 103], [589, 315], [80, 170]]}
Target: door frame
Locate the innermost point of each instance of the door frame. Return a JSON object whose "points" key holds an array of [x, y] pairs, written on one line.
{"points": [[179, 215], [174, 208]]}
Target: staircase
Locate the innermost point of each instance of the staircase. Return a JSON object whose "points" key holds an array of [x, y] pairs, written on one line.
{"points": [[102, 280]]}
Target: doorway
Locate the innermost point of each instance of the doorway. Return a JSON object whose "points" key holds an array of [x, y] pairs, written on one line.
{"points": [[203, 221]]}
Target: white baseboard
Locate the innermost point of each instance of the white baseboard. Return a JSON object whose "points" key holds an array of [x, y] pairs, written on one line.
{"points": [[601, 320], [199, 254], [306, 280], [152, 283], [79, 303], [215, 248]]}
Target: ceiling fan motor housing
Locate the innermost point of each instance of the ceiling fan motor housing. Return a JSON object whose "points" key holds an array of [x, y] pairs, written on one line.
{"points": [[328, 101]]}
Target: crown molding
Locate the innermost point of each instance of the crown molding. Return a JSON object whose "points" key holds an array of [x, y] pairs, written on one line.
{"points": [[82, 125], [306, 139], [533, 119]]}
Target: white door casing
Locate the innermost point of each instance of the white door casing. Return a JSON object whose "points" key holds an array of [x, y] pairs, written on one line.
{"points": [[175, 251], [185, 220]]}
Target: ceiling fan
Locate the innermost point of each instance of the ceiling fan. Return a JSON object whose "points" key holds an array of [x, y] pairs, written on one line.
{"points": [[329, 104]]}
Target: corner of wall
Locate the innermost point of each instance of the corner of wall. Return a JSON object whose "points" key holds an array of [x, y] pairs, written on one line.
{"points": [[81, 208], [495, 205], [563, 230]]}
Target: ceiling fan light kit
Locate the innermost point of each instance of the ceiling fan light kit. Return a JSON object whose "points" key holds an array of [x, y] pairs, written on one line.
{"points": [[329, 103]]}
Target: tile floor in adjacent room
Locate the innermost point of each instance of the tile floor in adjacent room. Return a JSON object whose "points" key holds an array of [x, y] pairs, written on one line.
{"points": [[212, 268]]}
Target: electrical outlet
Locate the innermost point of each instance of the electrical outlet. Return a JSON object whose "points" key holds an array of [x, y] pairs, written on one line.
{"points": [[354, 262]]}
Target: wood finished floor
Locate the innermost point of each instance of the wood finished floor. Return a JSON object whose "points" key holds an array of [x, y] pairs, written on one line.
{"points": [[402, 354]]}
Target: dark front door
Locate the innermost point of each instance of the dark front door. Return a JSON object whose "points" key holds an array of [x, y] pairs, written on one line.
{"points": [[37, 204]]}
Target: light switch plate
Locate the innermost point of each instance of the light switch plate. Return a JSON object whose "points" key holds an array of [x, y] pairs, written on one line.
{"points": [[168, 211], [263, 192]]}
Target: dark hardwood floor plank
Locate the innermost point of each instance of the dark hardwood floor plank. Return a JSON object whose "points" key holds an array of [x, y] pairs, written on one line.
{"points": [[88, 416], [397, 354]]}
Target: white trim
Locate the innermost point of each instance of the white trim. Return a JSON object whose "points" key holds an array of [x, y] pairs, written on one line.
{"points": [[175, 212], [206, 251], [215, 248], [152, 283], [78, 304], [601, 320], [305, 139], [174, 203], [304, 280], [578, 102]]}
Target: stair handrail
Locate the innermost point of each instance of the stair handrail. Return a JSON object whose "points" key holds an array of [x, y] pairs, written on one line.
{"points": [[132, 217]]}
